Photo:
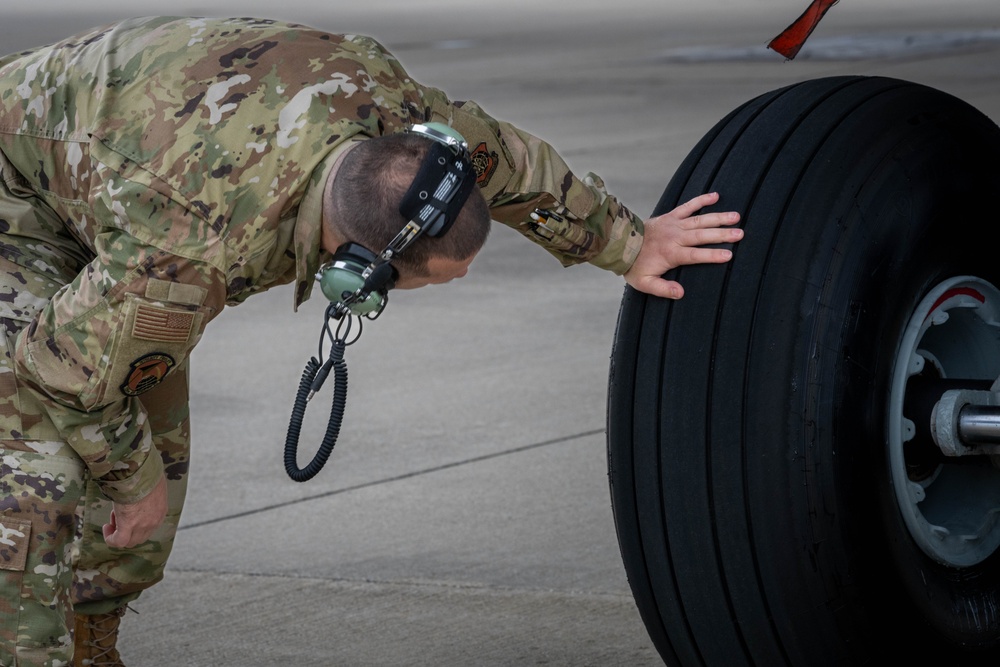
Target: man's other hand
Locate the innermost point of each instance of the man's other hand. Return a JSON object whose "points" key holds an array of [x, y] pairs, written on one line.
{"points": [[132, 524]]}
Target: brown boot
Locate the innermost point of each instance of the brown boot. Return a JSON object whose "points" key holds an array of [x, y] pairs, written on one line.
{"points": [[94, 639]]}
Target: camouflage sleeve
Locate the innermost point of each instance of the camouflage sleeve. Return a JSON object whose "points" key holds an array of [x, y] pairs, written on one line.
{"points": [[519, 173], [127, 319]]}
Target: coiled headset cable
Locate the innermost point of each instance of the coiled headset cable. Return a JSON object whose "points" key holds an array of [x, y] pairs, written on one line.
{"points": [[313, 377], [357, 281]]}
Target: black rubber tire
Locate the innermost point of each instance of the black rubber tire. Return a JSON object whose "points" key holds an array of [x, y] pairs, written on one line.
{"points": [[746, 422]]}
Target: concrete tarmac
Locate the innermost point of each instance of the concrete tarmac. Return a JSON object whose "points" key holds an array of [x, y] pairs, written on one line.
{"points": [[464, 517]]}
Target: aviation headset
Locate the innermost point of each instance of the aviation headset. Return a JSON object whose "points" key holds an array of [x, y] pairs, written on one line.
{"points": [[357, 281]]}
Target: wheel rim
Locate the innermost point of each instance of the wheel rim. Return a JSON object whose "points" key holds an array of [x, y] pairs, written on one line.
{"points": [[952, 507]]}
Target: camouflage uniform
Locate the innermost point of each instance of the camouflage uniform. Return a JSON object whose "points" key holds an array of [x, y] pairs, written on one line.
{"points": [[153, 172]]}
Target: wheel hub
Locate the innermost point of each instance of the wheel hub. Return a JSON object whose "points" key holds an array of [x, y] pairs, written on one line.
{"points": [[949, 497]]}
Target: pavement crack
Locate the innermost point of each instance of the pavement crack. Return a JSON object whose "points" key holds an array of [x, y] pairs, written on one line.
{"points": [[395, 478]]}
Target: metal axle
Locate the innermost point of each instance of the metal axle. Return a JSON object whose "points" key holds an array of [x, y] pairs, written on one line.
{"points": [[979, 425]]}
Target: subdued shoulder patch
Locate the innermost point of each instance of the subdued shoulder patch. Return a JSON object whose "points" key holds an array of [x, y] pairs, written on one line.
{"points": [[146, 372], [484, 162]]}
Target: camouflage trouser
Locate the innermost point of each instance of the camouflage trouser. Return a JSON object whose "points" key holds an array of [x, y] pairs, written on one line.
{"points": [[53, 559]]}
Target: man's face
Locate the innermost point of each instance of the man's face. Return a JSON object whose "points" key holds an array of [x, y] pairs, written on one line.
{"points": [[439, 270]]}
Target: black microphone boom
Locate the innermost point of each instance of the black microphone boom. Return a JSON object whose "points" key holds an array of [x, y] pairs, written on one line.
{"points": [[380, 276]]}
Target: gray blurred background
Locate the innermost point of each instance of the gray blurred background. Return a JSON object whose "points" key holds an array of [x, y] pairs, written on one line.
{"points": [[464, 517]]}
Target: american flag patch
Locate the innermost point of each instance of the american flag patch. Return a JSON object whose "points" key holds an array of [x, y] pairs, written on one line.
{"points": [[162, 324]]}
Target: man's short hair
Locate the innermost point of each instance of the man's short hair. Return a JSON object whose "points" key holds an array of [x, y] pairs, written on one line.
{"points": [[362, 203]]}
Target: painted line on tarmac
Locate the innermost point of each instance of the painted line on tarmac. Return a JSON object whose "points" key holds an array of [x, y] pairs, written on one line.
{"points": [[397, 478]]}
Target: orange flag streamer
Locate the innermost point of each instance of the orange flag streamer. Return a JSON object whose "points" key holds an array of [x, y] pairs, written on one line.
{"points": [[794, 36]]}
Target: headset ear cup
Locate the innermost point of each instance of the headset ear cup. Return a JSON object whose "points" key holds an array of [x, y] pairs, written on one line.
{"points": [[344, 274], [334, 281]]}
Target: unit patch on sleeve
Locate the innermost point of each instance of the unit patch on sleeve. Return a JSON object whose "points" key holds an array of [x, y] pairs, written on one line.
{"points": [[146, 372], [484, 161]]}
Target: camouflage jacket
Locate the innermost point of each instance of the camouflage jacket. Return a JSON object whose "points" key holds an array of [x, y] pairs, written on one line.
{"points": [[185, 159]]}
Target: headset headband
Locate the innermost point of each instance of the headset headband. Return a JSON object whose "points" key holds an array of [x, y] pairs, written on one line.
{"points": [[439, 190]]}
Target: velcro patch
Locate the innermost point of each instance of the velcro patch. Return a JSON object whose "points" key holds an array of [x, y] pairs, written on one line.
{"points": [[15, 536], [146, 372], [484, 161], [163, 325]]}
